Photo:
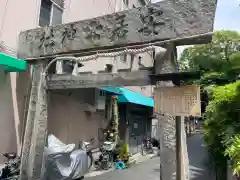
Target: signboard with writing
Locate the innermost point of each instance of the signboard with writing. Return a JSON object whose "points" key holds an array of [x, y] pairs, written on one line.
{"points": [[155, 22], [178, 101]]}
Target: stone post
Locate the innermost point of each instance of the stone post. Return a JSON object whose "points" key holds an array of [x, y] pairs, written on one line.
{"points": [[24, 168], [168, 155]]}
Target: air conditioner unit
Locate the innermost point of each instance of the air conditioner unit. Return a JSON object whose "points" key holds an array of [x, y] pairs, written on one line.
{"points": [[100, 99]]}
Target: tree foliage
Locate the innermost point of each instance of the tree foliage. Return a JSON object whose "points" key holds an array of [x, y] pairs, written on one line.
{"points": [[219, 62], [221, 55]]}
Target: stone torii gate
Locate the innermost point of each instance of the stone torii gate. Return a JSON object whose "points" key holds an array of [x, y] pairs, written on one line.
{"points": [[167, 24]]}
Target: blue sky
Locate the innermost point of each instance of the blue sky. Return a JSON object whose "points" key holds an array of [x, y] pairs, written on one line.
{"points": [[227, 16]]}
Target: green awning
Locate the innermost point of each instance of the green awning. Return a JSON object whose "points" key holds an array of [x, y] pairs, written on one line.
{"points": [[12, 64], [128, 96]]}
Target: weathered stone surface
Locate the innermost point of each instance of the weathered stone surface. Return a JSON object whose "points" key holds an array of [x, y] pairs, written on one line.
{"points": [[168, 126], [156, 22], [25, 170], [36, 126], [137, 78], [40, 129], [168, 148]]}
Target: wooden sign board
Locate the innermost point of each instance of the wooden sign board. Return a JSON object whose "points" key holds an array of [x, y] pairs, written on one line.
{"points": [[178, 101], [156, 22]]}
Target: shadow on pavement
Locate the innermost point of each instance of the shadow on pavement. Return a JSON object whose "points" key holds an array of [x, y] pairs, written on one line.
{"points": [[198, 156]]}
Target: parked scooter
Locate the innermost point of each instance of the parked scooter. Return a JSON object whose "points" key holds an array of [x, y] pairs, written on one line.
{"points": [[147, 147], [11, 169], [107, 156]]}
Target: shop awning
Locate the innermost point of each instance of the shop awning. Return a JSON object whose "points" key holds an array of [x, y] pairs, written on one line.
{"points": [[128, 96], [12, 64]]}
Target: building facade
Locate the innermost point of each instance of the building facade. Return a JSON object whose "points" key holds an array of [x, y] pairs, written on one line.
{"points": [[72, 117]]}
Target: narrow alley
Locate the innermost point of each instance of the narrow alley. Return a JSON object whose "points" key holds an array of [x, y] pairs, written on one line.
{"points": [[148, 170], [198, 158]]}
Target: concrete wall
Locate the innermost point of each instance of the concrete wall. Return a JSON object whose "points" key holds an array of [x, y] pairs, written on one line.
{"points": [[7, 126], [15, 16], [69, 122], [76, 10]]}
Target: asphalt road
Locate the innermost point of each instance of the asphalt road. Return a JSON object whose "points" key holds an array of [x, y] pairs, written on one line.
{"points": [[149, 169], [198, 165], [198, 158]]}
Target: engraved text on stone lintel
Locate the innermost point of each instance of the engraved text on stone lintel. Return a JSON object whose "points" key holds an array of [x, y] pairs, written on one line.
{"points": [[158, 21]]}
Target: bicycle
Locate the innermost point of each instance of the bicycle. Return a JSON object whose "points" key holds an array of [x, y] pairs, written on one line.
{"points": [[146, 147], [86, 147]]}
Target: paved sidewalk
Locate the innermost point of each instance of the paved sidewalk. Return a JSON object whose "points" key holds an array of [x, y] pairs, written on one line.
{"points": [[198, 158], [138, 157], [148, 170]]}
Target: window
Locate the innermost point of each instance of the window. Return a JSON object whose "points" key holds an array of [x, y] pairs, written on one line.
{"points": [[139, 60], [123, 58], [50, 13], [126, 2], [45, 13], [101, 93]]}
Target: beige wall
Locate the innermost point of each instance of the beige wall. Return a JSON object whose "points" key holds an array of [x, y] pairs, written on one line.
{"points": [[7, 127], [68, 122], [76, 10], [17, 16]]}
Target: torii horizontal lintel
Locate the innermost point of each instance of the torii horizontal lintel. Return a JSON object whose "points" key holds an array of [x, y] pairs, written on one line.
{"points": [[160, 21]]}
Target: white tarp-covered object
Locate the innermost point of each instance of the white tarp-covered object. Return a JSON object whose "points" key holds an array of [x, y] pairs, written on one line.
{"points": [[62, 162]]}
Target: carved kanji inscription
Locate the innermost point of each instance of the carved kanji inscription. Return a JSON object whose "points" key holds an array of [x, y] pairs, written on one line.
{"points": [[151, 21], [155, 22]]}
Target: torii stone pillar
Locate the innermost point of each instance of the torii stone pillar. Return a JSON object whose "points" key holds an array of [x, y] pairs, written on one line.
{"points": [[168, 152], [36, 130]]}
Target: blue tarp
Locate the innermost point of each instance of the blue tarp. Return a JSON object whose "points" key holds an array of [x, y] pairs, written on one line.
{"points": [[128, 96]]}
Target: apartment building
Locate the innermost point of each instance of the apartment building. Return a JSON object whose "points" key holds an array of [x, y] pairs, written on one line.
{"points": [[17, 16]]}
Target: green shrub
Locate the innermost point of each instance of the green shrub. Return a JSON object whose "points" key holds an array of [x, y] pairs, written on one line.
{"points": [[222, 123], [233, 152]]}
